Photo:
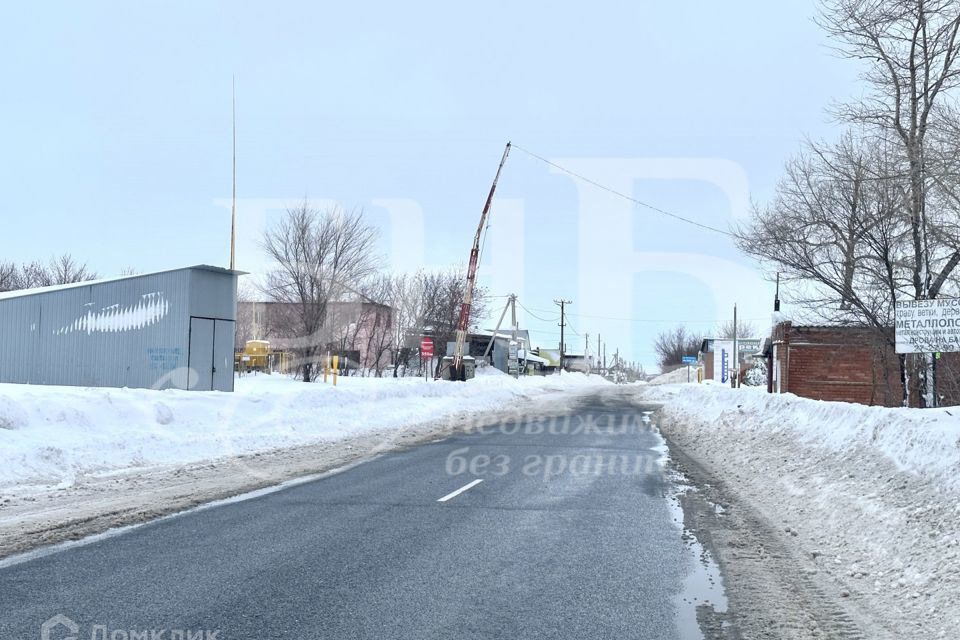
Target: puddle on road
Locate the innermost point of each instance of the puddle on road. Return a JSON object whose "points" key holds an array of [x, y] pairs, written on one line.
{"points": [[703, 584]]}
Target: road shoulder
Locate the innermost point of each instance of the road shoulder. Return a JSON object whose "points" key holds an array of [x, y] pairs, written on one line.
{"points": [[95, 504], [770, 594]]}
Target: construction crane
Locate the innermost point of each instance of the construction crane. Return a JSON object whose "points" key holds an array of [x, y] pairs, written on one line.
{"points": [[455, 369]]}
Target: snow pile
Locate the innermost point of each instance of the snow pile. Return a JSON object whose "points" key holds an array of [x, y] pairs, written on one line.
{"points": [[51, 435], [675, 376], [925, 443], [869, 497]]}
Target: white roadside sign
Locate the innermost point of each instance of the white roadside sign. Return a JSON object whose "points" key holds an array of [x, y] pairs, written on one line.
{"points": [[722, 360], [928, 326]]}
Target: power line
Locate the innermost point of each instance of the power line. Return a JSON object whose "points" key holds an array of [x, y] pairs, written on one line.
{"points": [[553, 334], [651, 320], [623, 195], [586, 315], [535, 315]]}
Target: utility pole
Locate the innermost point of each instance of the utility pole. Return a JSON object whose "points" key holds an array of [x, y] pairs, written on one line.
{"points": [[776, 296], [586, 347], [736, 353], [513, 317], [563, 303], [511, 304], [513, 335], [598, 354]]}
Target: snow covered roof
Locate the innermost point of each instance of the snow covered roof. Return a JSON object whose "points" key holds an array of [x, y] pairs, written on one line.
{"points": [[522, 334], [486, 333], [764, 348], [835, 327], [523, 355], [20, 293]]}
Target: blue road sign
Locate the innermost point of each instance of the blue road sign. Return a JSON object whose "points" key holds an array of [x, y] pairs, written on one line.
{"points": [[689, 359]]}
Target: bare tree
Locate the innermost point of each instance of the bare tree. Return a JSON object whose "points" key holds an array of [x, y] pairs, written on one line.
{"points": [[427, 303], [413, 299], [379, 319], [859, 224], [65, 270], [9, 276], [910, 51], [59, 270], [317, 257], [837, 230], [745, 329], [35, 274], [671, 345], [443, 294], [409, 296], [405, 297]]}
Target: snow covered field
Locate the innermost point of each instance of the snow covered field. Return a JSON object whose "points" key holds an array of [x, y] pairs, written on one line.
{"points": [[51, 436], [868, 497]]}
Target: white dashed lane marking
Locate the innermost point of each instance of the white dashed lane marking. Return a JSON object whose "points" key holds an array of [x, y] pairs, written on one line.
{"points": [[465, 487]]}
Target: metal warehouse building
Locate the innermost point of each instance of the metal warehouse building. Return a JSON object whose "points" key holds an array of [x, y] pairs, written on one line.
{"points": [[172, 329]]}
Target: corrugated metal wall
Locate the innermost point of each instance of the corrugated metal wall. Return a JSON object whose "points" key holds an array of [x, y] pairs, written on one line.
{"points": [[130, 332]]}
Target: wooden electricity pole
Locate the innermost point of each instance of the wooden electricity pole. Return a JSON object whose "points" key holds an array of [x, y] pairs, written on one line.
{"points": [[563, 323]]}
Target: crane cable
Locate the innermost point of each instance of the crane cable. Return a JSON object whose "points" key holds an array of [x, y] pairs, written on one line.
{"points": [[623, 195]]}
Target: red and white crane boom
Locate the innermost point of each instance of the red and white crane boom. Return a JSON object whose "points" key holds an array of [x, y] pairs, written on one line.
{"points": [[457, 371]]}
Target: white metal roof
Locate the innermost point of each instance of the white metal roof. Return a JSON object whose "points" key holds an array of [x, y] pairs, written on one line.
{"points": [[19, 293]]}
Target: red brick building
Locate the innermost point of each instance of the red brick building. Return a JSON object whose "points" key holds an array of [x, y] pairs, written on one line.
{"points": [[846, 364]]}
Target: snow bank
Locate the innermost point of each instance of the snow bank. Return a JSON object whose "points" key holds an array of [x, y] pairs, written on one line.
{"points": [[675, 376], [867, 497], [50, 435], [923, 442]]}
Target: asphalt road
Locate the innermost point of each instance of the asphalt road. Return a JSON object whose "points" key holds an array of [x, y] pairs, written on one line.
{"points": [[568, 535]]}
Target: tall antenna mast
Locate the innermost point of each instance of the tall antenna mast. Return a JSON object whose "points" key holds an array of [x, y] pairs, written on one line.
{"points": [[233, 204]]}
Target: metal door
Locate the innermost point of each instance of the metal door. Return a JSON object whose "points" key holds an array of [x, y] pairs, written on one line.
{"points": [[223, 355], [200, 359]]}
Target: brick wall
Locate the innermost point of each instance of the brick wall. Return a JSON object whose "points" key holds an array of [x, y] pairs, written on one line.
{"points": [[850, 364], [847, 364]]}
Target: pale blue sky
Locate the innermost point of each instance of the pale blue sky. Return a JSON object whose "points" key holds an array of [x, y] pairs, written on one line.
{"points": [[115, 126]]}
